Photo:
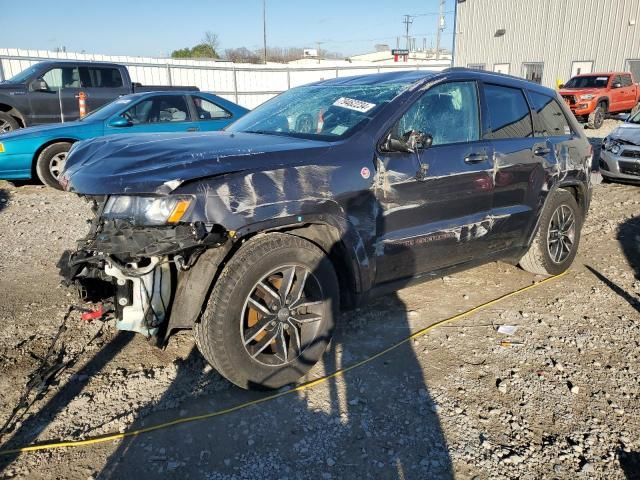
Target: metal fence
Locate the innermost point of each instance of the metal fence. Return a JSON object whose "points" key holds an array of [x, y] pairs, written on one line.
{"points": [[246, 84]]}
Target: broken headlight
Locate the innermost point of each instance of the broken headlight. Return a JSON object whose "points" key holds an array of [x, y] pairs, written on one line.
{"points": [[147, 210]]}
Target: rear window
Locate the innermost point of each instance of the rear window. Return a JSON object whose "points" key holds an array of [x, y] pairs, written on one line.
{"points": [[551, 119], [509, 114], [100, 77]]}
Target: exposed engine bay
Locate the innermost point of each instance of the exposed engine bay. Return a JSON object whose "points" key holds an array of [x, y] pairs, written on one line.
{"points": [[132, 270]]}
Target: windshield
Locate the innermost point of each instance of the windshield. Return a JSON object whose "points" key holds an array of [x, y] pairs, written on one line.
{"points": [[323, 112], [105, 111], [23, 76], [595, 81], [635, 118]]}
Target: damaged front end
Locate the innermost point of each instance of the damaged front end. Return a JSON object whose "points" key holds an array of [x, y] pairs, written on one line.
{"points": [[138, 253]]}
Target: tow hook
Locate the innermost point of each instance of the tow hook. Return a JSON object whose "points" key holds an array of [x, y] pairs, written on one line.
{"points": [[98, 313]]}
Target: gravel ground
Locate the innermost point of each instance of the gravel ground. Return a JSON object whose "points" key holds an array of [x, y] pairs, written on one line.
{"points": [[561, 402]]}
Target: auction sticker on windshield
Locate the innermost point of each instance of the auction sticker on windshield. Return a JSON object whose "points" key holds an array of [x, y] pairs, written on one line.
{"points": [[353, 104]]}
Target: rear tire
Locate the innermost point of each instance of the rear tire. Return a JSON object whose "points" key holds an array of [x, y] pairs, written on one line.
{"points": [[256, 331], [50, 163], [8, 123], [556, 242], [596, 118]]}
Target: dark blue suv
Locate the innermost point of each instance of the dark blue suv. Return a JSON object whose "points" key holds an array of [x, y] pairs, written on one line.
{"points": [[322, 197]]}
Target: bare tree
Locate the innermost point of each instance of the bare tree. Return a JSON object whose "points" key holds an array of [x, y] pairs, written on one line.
{"points": [[211, 39]]}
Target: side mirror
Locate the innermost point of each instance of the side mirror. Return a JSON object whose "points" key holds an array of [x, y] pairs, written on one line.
{"points": [[39, 85], [561, 86], [119, 122], [617, 85], [419, 140]]}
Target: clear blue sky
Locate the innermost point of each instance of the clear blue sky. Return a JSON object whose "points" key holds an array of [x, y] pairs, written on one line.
{"points": [[155, 28]]}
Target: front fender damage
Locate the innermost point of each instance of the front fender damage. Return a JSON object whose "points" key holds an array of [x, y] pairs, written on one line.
{"points": [[154, 279]]}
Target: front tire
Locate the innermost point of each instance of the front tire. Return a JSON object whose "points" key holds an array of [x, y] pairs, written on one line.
{"points": [[596, 118], [271, 313], [556, 243], [8, 123], [51, 162]]}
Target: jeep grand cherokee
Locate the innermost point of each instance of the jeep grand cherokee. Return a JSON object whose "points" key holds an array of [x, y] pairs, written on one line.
{"points": [[326, 195]]}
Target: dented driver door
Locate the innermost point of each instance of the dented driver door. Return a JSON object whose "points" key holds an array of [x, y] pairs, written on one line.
{"points": [[436, 201]]}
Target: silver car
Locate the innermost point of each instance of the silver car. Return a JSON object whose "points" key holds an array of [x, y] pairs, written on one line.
{"points": [[620, 154]]}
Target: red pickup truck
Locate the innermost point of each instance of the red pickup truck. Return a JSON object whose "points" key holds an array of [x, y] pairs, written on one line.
{"points": [[591, 96]]}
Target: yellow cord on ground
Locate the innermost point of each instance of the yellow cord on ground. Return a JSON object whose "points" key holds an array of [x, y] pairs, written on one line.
{"points": [[299, 388]]}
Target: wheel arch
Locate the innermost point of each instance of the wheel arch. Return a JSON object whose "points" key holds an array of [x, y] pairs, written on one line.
{"points": [[46, 144], [604, 100], [14, 112], [189, 302], [575, 189]]}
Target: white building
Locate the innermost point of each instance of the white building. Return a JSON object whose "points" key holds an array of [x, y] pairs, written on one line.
{"points": [[548, 41]]}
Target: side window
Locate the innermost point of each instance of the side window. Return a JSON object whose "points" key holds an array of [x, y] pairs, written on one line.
{"points": [[65, 77], [104, 77], [166, 108], [448, 112], [616, 79], [509, 115], [626, 81], [207, 110], [551, 119]]}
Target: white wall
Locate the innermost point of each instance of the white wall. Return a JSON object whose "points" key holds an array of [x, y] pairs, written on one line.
{"points": [[247, 84]]}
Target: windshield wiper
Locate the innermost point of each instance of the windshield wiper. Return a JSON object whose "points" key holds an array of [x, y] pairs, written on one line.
{"points": [[266, 132]]}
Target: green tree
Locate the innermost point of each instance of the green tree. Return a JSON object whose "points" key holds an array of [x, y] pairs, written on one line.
{"points": [[205, 49]]}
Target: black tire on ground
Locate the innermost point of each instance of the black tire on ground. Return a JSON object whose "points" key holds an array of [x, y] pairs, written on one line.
{"points": [[224, 334], [539, 258], [596, 118], [50, 162], [8, 123]]}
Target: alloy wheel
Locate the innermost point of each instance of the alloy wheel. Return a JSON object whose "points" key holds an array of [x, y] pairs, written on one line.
{"points": [[5, 126], [562, 233], [282, 315], [56, 165]]}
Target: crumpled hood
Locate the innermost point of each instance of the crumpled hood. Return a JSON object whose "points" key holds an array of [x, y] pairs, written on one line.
{"points": [[627, 132], [160, 162]]}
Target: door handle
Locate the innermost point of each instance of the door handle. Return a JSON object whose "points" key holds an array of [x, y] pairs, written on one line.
{"points": [[192, 129], [476, 157], [541, 151]]}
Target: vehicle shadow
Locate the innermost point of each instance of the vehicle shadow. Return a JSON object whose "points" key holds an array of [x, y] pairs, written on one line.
{"points": [[36, 422], [630, 463], [629, 237], [375, 421]]}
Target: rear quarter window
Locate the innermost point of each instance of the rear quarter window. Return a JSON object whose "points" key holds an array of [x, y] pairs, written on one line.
{"points": [[101, 77], [551, 121]]}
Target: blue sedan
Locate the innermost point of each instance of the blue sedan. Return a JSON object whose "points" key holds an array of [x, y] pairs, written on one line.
{"points": [[43, 149]]}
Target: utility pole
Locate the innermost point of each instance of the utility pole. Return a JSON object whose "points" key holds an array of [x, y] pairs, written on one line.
{"points": [[408, 20], [318, 51], [264, 28], [440, 28]]}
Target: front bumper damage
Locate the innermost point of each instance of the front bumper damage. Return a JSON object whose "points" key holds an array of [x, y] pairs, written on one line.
{"points": [[146, 274]]}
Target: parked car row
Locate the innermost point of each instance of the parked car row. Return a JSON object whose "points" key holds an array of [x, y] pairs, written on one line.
{"points": [[41, 150]]}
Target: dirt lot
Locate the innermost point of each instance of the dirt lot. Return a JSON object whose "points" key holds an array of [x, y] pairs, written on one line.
{"points": [[563, 402]]}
